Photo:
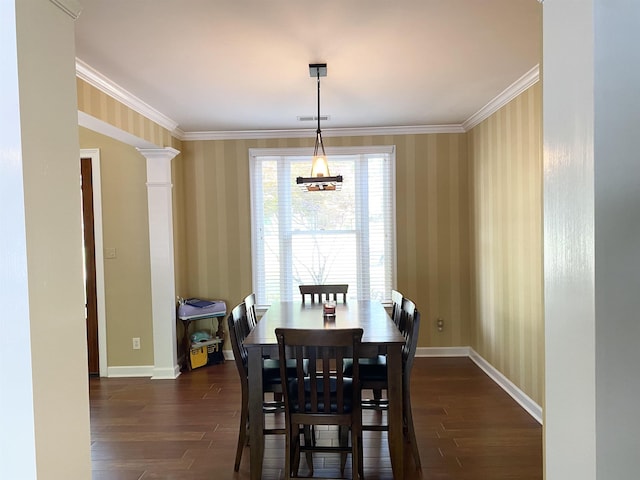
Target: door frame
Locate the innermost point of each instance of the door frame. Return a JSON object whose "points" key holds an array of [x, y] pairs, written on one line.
{"points": [[94, 155]]}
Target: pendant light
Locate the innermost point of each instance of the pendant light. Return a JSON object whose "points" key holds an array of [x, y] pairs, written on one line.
{"points": [[320, 178]]}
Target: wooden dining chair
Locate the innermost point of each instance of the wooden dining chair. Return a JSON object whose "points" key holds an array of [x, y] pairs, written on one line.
{"points": [[396, 316], [238, 330], [321, 395], [326, 292], [373, 376]]}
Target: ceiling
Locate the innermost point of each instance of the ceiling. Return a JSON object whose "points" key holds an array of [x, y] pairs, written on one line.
{"points": [[243, 65]]}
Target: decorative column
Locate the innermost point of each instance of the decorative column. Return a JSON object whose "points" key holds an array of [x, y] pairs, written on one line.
{"points": [[163, 290]]}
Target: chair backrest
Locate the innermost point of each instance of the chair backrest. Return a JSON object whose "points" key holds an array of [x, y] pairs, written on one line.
{"points": [[319, 387], [396, 311], [250, 302], [238, 331], [330, 292], [410, 329]]}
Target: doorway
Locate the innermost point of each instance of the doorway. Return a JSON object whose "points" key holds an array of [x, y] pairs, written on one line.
{"points": [[89, 257], [93, 262]]}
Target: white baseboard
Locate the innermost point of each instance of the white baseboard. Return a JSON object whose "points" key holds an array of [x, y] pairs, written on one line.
{"points": [[508, 386], [131, 371], [166, 373], [503, 382], [442, 351]]}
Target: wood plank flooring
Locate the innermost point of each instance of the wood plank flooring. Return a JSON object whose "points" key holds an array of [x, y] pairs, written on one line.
{"points": [[186, 429]]}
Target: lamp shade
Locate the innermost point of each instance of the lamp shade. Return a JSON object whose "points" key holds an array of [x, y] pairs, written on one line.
{"points": [[319, 166]]}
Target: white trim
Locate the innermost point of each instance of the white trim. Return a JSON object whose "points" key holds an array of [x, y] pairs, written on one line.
{"points": [[302, 151], [94, 155], [70, 7], [516, 88], [130, 371], [508, 386], [442, 351], [102, 83], [228, 355], [329, 132], [166, 373], [104, 128]]}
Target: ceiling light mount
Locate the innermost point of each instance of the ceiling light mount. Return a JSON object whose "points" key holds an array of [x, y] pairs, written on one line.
{"points": [[320, 178], [317, 70]]}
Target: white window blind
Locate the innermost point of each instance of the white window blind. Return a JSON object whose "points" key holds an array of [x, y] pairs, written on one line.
{"points": [[344, 236]]}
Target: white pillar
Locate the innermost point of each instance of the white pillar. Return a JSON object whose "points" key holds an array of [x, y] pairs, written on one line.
{"points": [[163, 290], [591, 105]]}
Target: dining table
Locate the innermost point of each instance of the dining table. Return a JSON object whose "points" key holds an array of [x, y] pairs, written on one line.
{"points": [[380, 335]]}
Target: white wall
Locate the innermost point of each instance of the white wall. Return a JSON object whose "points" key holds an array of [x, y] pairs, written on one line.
{"points": [[617, 237], [591, 92]]}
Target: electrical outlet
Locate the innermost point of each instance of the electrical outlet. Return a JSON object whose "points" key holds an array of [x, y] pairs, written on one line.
{"points": [[440, 324], [136, 343]]}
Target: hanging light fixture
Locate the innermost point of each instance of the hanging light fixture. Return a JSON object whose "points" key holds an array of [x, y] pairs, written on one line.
{"points": [[320, 178]]}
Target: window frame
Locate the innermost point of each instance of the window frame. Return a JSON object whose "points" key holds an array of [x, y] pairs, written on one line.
{"points": [[257, 253]]}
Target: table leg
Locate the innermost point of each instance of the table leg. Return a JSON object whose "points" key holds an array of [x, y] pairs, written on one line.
{"points": [[394, 384], [186, 346], [256, 418]]}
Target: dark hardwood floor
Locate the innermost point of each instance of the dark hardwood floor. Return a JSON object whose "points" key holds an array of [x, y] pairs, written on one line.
{"points": [[467, 429]]}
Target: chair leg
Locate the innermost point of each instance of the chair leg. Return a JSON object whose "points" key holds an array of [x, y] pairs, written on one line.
{"points": [[377, 394], [309, 439], [357, 470], [242, 434], [343, 433], [408, 420], [289, 452]]}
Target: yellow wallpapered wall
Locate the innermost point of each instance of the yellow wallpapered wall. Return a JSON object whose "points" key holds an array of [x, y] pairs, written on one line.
{"points": [[505, 157], [125, 228], [432, 223], [103, 107]]}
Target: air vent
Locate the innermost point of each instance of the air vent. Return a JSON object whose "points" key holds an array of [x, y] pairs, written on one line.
{"points": [[313, 118]]}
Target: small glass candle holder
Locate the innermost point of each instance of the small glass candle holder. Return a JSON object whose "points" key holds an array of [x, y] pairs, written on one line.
{"points": [[329, 307]]}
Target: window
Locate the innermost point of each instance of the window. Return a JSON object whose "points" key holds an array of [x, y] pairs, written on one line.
{"points": [[344, 236]]}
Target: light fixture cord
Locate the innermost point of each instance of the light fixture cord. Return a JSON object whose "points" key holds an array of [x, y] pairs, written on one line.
{"points": [[318, 132]]}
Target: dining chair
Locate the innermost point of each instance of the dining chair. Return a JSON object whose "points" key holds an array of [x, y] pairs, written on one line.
{"points": [[328, 292], [320, 394], [373, 376], [238, 330]]}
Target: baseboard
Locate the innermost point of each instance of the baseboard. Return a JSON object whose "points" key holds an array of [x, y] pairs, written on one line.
{"points": [[166, 373], [508, 386], [131, 371], [442, 351]]}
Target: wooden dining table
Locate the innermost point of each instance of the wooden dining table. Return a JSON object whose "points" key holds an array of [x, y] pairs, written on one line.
{"points": [[379, 334]]}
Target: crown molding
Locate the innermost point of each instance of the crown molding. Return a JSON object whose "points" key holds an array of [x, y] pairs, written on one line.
{"points": [[329, 132], [70, 7], [516, 88], [102, 83]]}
